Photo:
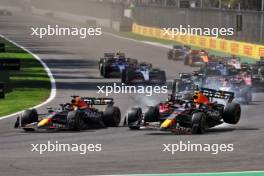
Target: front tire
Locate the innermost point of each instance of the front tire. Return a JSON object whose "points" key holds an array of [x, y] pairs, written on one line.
{"points": [[232, 113], [198, 123], [29, 116], [75, 120]]}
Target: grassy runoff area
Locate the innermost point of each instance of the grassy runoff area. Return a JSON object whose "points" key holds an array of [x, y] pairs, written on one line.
{"points": [[169, 42], [30, 85]]}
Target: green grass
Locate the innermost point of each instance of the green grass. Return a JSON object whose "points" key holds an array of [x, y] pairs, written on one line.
{"points": [[30, 85], [169, 42]]}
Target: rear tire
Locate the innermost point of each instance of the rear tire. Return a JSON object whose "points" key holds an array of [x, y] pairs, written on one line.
{"points": [[75, 120], [152, 114], [232, 113], [112, 116]]}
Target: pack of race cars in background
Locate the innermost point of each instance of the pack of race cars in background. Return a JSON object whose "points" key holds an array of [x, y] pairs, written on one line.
{"points": [[222, 73], [131, 71]]}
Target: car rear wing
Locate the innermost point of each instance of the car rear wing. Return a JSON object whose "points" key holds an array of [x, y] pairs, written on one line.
{"points": [[98, 101], [185, 74], [212, 93], [120, 54], [109, 54]]}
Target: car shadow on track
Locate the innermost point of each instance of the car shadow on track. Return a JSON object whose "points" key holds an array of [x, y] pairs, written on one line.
{"points": [[212, 131], [63, 131]]}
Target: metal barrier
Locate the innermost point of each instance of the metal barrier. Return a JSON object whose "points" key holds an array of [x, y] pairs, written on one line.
{"points": [[226, 46], [160, 17]]}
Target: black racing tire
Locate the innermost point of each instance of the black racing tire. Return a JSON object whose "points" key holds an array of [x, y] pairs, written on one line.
{"points": [[134, 118], [198, 123], [75, 120], [105, 71], [112, 116], [152, 114], [29, 116], [232, 113]]}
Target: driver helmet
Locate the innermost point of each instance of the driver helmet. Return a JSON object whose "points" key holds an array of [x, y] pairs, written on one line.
{"points": [[79, 102], [200, 98]]}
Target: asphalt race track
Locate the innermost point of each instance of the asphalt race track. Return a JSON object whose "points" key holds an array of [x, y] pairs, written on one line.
{"points": [[73, 63]]}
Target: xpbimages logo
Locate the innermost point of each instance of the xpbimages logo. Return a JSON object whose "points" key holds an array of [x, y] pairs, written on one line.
{"points": [[190, 147], [56, 30], [181, 30], [82, 149], [124, 89]]}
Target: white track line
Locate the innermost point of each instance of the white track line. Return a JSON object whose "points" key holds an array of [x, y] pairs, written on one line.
{"points": [[52, 80]]}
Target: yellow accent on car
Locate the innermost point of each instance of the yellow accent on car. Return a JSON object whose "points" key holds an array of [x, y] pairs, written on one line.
{"points": [[43, 122], [167, 123]]}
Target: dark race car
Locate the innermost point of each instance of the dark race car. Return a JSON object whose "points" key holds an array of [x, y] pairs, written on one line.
{"points": [[77, 115], [112, 65], [257, 71], [143, 74], [188, 81], [178, 52], [196, 58], [216, 68], [187, 113], [240, 84]]}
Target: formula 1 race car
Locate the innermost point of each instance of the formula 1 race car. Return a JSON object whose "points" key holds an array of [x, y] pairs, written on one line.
{"points": [[196, 58], [241, 85], [183, 114], [143, 74], [214, 69], [178, 52], [112, 65], [71, 116], [188, 81]]}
